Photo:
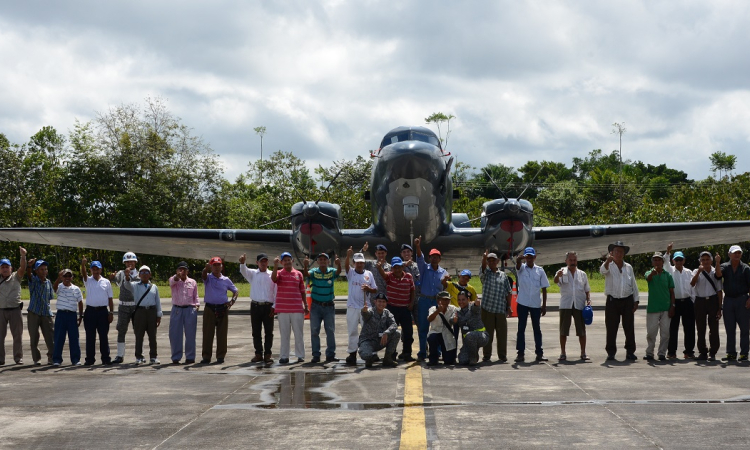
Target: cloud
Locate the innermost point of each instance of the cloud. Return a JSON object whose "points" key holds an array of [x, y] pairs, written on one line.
{"points": [[525, 80]]}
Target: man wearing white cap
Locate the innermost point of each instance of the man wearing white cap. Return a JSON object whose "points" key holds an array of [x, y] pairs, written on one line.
{"points": [[684, 301], [735, 276], [147, 314], [361, 284], [126, 305]]}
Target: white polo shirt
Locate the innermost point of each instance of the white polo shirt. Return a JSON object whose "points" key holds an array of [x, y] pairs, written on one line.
{"points": [[530, 281], [357, 297], [682, 288], [98, 292]]}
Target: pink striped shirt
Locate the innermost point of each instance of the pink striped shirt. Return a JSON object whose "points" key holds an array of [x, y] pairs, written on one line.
{"points": [[290, 289], [184, 293]]}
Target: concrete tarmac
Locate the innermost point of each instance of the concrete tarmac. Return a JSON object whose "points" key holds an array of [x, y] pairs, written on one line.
{"points": [[622, 404]]}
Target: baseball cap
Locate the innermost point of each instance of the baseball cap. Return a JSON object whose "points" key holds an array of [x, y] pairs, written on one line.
{"points": [[96, 264], [492, 255], [285, 254], [215, 260], [705, 253], [678, 255], [39, 263], [443, 294], [381, 295], [406, 247], [396, 261], [435, 251], [146, 268], [324, 255], [658, 255], [529, 251], [66, 271], [5, 262], [182, 265], [465, 272], [261, 256], [734, 249], [381, 247], [359, 257]]}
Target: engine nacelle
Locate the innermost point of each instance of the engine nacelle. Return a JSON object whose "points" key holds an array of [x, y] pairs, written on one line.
{"points": [[316, 228], [508, 225]]}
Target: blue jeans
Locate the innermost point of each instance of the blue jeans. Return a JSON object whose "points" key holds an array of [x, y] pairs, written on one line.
{"points": [[423, 325], [183, 322], [66, 323], [327, 315], [536, 315]]}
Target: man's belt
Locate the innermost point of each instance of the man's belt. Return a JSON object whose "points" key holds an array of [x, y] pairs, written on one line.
{"points": [[148, 307], [629, 297], [215, 305], [183, 306], [20, 306], [329, 303], [96, 307], [682, 299], [710, 297], [254, 302], [127, 303]]}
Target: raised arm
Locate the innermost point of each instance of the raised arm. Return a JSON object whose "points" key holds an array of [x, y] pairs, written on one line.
{"points": [[21, 271], [349, 254], [338, 266], [84, 274]]}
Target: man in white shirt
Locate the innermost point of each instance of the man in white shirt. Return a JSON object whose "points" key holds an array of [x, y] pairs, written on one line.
{"points": [[69, 300], [575, 294], [262, 296], [442, 319], [99, 312], [361, 284], [531, 280], [684, 309], [622, 299], [708, 303]]}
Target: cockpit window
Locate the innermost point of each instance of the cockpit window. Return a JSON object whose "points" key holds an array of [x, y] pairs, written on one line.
{"points": [[410, 136]]}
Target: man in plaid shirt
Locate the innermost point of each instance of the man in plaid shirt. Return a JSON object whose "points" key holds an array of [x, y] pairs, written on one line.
{"points": [[495, 306]]}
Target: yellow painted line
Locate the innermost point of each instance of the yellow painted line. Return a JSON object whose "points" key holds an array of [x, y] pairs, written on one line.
{"points": [[413, 429]]}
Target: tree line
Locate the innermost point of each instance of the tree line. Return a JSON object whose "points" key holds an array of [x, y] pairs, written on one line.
{"points": [[140, 166]]}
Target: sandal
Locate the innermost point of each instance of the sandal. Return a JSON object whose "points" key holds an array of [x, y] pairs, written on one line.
{"points": [[562, 357], [585, 357]]}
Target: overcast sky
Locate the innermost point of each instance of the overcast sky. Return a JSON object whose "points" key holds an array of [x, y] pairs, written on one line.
{"points": [[526, 81]]}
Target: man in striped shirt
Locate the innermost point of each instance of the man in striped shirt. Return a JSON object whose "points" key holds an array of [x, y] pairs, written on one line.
{"points": [[290, 307], [322, 310], [400, 294], [39, 310], [69, 299]]}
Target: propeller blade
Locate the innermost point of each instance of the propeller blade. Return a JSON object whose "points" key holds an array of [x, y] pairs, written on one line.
{"points": [[495, 184], [329, 185], [279, 220], [541, 166]]}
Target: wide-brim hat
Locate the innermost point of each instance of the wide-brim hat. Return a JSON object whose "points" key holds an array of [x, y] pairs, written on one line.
{"points": [[618, 244]]}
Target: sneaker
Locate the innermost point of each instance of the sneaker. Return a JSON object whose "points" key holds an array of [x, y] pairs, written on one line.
{"points": [[648, 357], [520, 358], [742, 358], [688, 355], [585, 357], [156, 361], [711, 357], [175, 361], [730, 357], [420, 359], [330, 359], [20, 361], [301, 360], [258, 358], [56, 364], [77, 363], [189, 361], [664, 358], [140, 360], [37, 363], [118, 360], [283, 360], [631, 356], [673, 357], [315, 359], [541, 358], [351, 360]]}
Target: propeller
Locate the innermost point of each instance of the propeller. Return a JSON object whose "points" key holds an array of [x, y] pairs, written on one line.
{"points": [[486, 172], [528, 185]]}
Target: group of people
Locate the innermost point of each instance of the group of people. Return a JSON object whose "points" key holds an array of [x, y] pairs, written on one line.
{"points": [[385, 300]]}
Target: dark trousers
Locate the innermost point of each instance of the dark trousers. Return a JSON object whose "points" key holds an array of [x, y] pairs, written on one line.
{"points": [[613, 311], [144, 322], [96, 321], [684, 310], [260, 316], [706, 310], [213, 326], [735, 314], [404, 320], [66, 323], [436, 343], [536, 315]]}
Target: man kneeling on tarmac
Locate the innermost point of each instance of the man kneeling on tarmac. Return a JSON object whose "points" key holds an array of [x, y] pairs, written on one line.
{"points": [[379, 331], [472, 329]]}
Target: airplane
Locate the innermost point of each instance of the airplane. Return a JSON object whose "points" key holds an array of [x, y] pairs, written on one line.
{"points": [[411, 195]]}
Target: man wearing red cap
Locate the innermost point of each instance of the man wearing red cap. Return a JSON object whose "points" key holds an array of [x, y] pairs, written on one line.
{"points": [[215, 318], [432, 283]]}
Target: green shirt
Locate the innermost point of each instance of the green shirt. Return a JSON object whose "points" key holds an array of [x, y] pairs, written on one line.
{"points": [[322, 284], [658, 291]]}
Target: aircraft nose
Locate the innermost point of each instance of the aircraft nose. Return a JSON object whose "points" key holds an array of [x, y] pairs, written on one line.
{"points": [[513, 206], [310, 209]]}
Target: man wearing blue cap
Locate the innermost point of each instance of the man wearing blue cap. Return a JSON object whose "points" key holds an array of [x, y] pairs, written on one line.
{"points": [[262, 298], [39, 311], [372, 265], [322, 309], [99, 311], [400, 297], [531, 279], [10, 307], [684, 300]]}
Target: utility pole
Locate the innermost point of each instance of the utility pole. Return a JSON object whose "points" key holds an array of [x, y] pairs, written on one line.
{"points": [[260, 131], [619, 128]]}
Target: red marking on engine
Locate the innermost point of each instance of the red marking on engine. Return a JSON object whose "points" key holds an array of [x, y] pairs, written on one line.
{"points": [[307, 229], [511, 226]]}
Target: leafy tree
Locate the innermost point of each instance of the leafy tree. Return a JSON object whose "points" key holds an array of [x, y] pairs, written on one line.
{"points": [[720, 161], [260, 131], [439, 119]]}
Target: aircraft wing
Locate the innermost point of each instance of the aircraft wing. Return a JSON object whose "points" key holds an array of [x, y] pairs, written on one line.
{"points": [[591, 241], [177, 242]]}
